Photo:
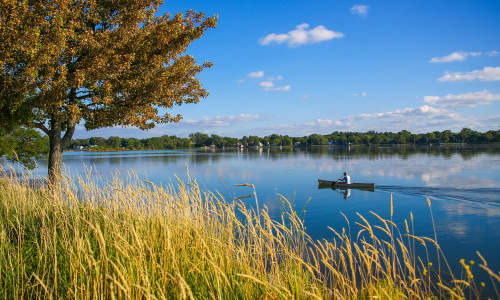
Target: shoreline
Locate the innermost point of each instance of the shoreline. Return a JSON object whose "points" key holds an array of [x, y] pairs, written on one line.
{"points": [[340, 147]]}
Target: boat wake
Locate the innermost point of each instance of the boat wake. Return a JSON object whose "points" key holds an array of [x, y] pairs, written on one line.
{"points": [[486, 195]]}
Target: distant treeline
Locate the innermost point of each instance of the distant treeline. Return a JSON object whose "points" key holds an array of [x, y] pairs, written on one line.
{"points": [[466, 135]]}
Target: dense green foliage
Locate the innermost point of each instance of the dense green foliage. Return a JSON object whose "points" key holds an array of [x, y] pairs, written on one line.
{"points": [[22, 145], [466, 135]]}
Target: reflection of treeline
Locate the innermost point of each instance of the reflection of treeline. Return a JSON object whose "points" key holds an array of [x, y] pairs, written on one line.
{"points": [[404, 151], [466, 135], [203, 157]]}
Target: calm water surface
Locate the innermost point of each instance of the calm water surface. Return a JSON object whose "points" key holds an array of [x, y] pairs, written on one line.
{"points": [[463, 185]]}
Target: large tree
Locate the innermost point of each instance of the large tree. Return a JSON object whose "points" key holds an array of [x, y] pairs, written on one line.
{"points": [[101, 62]]}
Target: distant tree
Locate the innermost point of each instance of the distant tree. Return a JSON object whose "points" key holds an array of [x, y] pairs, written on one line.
{"points": [[231, 141], [489, 137], [403, 137], [341, 139], [338, 138], [366, 138], [169, 142], [183, 143], [114, 142], [275, 140], [153, 143], [200, 139], [464, 135], [74, 144], [253, 140], [131, 143], [431, 137], [97, 141], [446, 136], [316, 139], [302, 140], [286, 140], [376, 139], [215, 140], [105, 62]]}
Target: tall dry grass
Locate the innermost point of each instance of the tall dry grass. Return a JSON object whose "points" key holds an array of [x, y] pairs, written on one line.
{"points": [[142, 240]]}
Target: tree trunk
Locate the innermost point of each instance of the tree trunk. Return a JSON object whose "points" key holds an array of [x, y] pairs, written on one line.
{"points": [[55, 153], [57, 144]]}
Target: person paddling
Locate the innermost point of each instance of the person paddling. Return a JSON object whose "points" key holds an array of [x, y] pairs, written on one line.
{"points": [[346, 179]]}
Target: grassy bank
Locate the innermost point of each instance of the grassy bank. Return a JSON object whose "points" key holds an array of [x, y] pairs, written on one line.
{"points": [[147, 241]]}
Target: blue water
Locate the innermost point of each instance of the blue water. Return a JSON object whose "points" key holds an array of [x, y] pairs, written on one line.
{"points": [[462, 184]]}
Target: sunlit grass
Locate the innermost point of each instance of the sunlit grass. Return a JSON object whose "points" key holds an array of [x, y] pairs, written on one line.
{"points": [[141, 240]]}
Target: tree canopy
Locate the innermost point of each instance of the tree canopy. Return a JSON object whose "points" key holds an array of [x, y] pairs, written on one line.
{"points": [[107, 63]]}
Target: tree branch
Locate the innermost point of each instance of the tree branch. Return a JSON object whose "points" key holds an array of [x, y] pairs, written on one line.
{"points": [[70, 124], [83, 97], [41, 126], [85, 91], [70, 130]]}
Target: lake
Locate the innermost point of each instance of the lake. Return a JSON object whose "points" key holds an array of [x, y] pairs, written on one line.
{"points": [[463, 184]]}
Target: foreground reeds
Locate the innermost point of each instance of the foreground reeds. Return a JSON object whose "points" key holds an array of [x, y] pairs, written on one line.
{"points": [[141, 240]]}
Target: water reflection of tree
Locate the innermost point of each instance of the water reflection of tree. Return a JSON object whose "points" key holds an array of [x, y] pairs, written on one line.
{"points": [[343, 153], [402, 152], [115, 160], [337, 153], [200, 158]]}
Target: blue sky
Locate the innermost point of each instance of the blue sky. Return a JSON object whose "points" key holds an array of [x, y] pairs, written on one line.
{"points": [[302, 67]]}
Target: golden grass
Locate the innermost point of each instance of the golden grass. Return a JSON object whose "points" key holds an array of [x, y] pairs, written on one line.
{"points": [[145, 241]]}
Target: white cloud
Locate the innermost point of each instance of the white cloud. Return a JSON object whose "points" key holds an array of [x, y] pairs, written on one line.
{"points": [[461, 56], [219, 121], [301, 36], [216, 125], [493, 53], [489, 122], [269, 86], [256, 74], [284, 88], [486, 74], [323, 122], [360, 10], [455, 56], [279, 77], [463, 100], [326, 122], [362, 94], [407, 115], [423, 118], [252, 75]]}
